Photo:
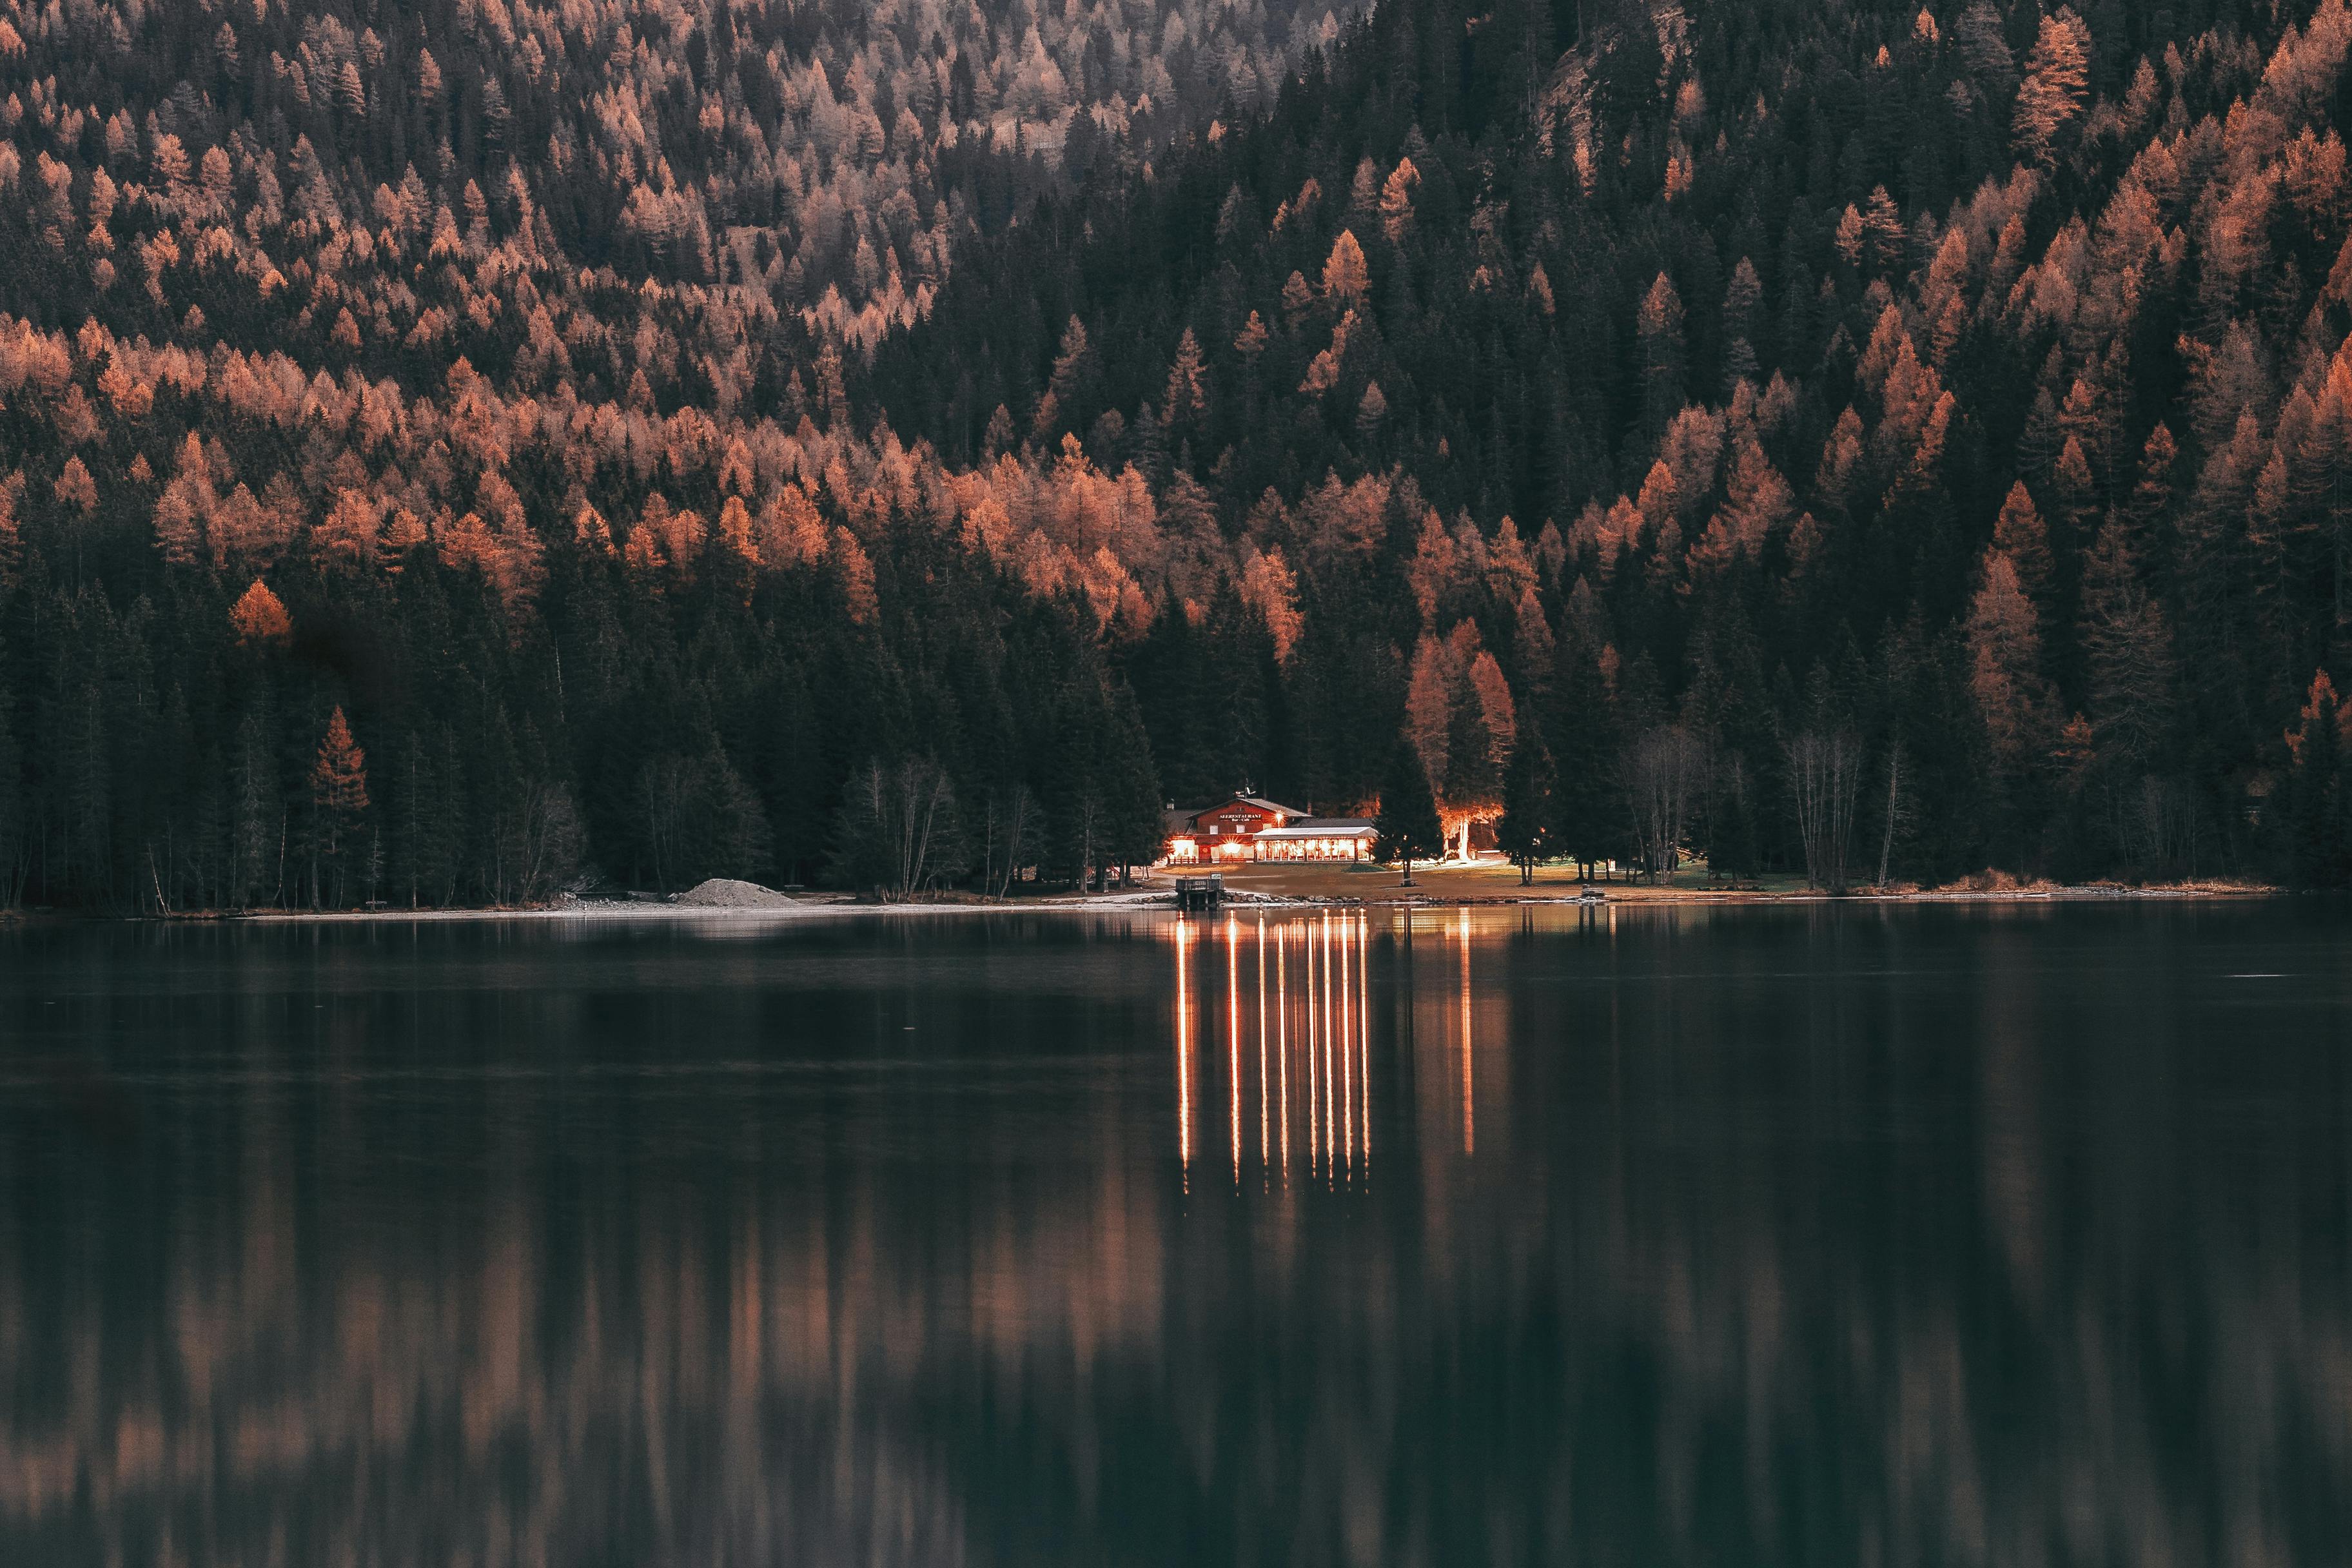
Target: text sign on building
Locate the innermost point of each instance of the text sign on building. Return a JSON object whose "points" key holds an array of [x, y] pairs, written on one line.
{"points": [[1239, 819]]}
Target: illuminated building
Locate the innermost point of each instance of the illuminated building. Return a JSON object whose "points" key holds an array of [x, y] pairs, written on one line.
{"points": [[1245, 827]]}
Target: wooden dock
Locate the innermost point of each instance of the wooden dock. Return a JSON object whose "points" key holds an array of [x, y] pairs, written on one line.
{"points": [[1197, 893]]}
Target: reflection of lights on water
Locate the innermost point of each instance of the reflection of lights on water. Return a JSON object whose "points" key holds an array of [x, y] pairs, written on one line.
{"points": [[1332, 1044], [1233, 1038], [1469, 1109], [1282, 1038], [1346, 1053], [1318, 1060], [1262, 1149], [1318, 1077], [1183, 1053], [1364, 1032]]}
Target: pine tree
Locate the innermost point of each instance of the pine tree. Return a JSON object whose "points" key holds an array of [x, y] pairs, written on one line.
{"points": [[1185, 401], [2128, 645], [1346, 278], [259, 619], [2318, 847], [1740, 301], [1584, 744], [1660, 328], [1731, 832], [2019, 533], [2014, 701], [339, 801], [1396, 201], [1406, 828], [2005, 657], [2057, 75], [1526, 830], [1133, 829]]}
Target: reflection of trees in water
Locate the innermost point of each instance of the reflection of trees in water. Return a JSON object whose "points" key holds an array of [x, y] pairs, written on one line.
{"points": [[1760, 1269]]}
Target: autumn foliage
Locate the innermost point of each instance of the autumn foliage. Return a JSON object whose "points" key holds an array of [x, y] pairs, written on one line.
{"points": [[258, 619], [339, 776], [658, 419]]}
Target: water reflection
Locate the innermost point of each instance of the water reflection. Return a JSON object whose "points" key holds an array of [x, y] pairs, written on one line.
{"points": [[1333, 1058], [1928, 1238]]}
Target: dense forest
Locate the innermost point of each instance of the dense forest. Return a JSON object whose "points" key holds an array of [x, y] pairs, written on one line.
{"points": [[455, 453]]}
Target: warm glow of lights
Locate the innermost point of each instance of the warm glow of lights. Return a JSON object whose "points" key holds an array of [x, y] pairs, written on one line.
{"points": [[1263, 1152], [1347, 1054], [1184, 1055], [1314, 1106], [1335, 1044], [1234, 1039], [1331, 1113], [1282, 1041], [1364, 1032], [1469, 1097]]}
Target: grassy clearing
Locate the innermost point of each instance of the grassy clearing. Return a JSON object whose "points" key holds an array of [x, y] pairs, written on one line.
{"points": [[1481, 881], [1497, 881]]}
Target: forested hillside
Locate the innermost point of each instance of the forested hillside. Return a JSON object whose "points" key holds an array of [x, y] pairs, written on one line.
{"points": [[454, 450], [1798, 407], [337, 334]]}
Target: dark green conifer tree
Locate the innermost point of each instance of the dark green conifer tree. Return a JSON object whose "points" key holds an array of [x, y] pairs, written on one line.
{"points": [[1527, 830], [1406, 828]]}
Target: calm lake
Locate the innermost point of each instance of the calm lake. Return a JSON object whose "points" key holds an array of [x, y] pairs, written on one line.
{"points": [[1739, 1236]]}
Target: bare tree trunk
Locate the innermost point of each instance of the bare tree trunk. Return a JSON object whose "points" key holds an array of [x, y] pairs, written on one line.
{"points": [[1893, 808], [988, 847], [1024, 828], [1825, 777], [935, 787], [908, 810], [1657, 775], [1089, 809]]}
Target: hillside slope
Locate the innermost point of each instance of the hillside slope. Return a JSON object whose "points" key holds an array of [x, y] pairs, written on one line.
{"points": [[1959, 391]]}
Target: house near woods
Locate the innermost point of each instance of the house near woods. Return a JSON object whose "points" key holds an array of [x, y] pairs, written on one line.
{"points": [[1245, 827]]}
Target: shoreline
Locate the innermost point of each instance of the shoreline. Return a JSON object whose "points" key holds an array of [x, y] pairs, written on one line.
{"points": [[1148, 901]]}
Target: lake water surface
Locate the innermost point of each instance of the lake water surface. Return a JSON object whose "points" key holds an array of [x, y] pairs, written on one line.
{"points": [[1739, 1236]]}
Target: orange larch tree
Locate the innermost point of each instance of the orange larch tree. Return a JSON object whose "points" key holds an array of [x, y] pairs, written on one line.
{"points": [[339, 796], [260, 618]]}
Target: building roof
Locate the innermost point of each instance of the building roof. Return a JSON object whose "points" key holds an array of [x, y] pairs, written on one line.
{"points": [[1184, 817], [1262, 803]]}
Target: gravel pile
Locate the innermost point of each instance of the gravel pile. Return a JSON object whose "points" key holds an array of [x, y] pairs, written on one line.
{"points": [[724, 893]]}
